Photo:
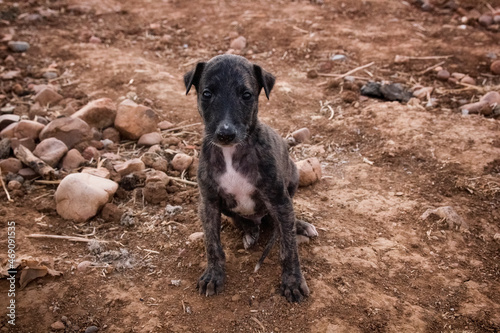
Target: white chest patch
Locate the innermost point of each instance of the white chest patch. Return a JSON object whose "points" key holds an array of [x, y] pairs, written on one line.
{"points": [[236, 184]]}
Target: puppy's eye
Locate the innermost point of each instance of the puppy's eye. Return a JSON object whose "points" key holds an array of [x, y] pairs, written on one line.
{"points": [[247, 96], [207, 94]]}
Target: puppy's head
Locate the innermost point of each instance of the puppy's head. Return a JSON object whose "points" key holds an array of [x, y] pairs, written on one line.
{"points": [[228, 89]]}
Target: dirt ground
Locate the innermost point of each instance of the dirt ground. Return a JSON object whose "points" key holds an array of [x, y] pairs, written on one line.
{"points": [[376, 266]]}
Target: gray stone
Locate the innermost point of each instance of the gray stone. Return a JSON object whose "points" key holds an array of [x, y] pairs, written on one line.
{"points": [[18, 46], [71, 131], [51, 150]]}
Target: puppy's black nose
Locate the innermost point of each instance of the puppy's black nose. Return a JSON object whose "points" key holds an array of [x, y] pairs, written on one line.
{"points": [[226, 134]]}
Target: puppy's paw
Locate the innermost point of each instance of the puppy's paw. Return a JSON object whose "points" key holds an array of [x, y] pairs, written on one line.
{"points": [[294, 287], [212, 281], [306, 229]]}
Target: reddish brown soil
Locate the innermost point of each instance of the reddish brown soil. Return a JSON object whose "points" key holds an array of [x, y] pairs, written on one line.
{"points": [[376, 266]]}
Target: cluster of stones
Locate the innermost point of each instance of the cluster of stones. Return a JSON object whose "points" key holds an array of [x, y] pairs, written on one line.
{"points": [[68, 146]]}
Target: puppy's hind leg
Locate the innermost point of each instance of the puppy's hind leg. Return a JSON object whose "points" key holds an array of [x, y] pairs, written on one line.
{"points": [[250, 228]]}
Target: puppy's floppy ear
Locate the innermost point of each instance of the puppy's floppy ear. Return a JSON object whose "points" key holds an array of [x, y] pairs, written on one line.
{"points": [[192, 78], [264, 79]]}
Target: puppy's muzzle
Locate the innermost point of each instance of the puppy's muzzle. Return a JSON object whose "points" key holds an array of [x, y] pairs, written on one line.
{"points": [[225, 134]]}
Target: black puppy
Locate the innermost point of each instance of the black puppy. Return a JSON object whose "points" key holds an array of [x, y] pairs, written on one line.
{"points": [[245, 171]]}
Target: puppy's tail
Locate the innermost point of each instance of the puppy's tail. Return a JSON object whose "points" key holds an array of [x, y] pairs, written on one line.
{"points": [[268, 248]]}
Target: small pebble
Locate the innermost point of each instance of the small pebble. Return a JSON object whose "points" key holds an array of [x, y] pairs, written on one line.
{"points": [[495, 67], [312, 74], [84, 265], [92, 329], [468, 80], [58, 326], [338, 57], [49, 75], [95, 40], [18, 46], [443, 75], [181, 162], [196, 236], [239, 43], [302, 135], [485, 20]]}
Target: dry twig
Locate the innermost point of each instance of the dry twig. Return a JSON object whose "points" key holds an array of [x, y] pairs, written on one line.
{"points": [[39, 166], [4, 187], [70, 238]]}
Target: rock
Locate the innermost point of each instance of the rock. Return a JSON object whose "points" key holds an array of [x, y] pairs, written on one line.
{"points": [[155, 192], [457, 76], [163, 125], [181, 162], [450, 216], [100, 113], [423, 92], [157, 176], [468, 80], [95, 40], [73, 160], [69, 130], [485, 20], [131, 181], [10, 165], [37, 110], [58, 326], [155, 161], [79, 196], [91, 153], [443, 75], [10, 75], [18, 46], [170, 141], [309, 171], [112, 134], [50, 150], [7, 119], [496, 19], [84, 265], [49, 75], [302, 135], [10, 60], [4, 148], [8, 132], [312, 74], [129, 166], [14, 185], [111, 213], [495, 68], [27, 173], [28, 129], [26, 142], [149, 139], [134, 120], [99, 172], [196, 236], [92, 329], [389, 92], [238, 43], [47, 96]]}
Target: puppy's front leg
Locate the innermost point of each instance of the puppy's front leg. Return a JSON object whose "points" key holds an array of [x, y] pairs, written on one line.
{"points": [[293, 284], [212, 280]]}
